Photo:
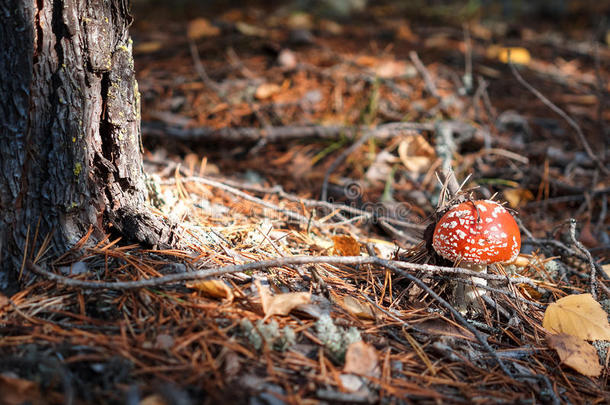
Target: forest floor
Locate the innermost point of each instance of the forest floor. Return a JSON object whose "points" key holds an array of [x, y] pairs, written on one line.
{"points": [[271, 134]]}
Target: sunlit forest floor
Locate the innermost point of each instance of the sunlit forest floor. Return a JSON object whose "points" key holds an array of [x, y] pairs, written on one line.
{"points": [[271, 132]]}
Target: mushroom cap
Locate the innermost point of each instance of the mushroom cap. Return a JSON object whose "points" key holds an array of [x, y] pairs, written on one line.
{"points": [[479, 232]]}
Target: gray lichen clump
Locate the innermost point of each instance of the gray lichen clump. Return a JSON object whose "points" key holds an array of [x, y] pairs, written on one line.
{"points": [[270, 334], [335, 338]]}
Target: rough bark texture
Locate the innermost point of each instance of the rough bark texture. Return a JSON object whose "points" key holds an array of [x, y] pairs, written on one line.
{"points": [[70, 136]]}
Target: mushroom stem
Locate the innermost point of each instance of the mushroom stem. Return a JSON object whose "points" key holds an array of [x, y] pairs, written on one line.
{"points": [[466, 296]]}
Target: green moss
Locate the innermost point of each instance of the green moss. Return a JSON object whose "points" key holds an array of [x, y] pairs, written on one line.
{"points": [[78, 167]]}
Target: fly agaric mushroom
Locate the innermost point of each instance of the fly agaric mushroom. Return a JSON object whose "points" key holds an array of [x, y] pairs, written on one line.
{"points": [[474, 234]]}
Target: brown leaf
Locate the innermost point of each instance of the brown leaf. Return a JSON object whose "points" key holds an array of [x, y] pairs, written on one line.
{"points": [[416, 154], [200, 27], [577, 315], [213, 288], [266, 90], [576, 353], [390, 69], [148, 47], [16, 391], [361, 359], [250, 30], [357, 308], [517, 196], [154, 399], [441, 327], [3, 303], [280, 304], [346, 245]]}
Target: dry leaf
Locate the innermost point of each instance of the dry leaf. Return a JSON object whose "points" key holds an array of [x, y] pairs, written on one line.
{"points": [[213, 288], [266, 90], [576, 353], [250, 30], [280, 304], [287, 59], [3, 300], [416, 154], [367, 60], [154, 399], [200, 27], [331, 26], [148, 47], [444, 328], [392, 68], [357, 308], [577, 315], [16, 391], [346, 245], [381, 167], [404, 32], [361, 359], [518, 56], [517, 196], [300, 20]]}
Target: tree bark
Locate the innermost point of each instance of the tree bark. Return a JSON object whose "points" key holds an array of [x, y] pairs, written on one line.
{"points": [[70, 147]]}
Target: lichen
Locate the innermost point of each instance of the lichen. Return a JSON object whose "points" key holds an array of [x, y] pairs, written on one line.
{"points": [[602, 347], [268, 334], [251, 334], [78, 168], [335, 338]]}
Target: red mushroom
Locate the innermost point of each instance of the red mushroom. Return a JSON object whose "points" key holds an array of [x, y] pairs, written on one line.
{"points": [[474, 234]]}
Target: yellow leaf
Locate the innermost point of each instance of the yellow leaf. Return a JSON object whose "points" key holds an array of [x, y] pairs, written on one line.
{"points": [[300, 20], [346, 245], [200, 27], [148, 47], [517, 196], [361, 358], [416, 154], [577, 315], [518, 56], [213, 288], [250, 30], [266, 90], [576, 353], [357, 308], [280, 304], [154, 399]]}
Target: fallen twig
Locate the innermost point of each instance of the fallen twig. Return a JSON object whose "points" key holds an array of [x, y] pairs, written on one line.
{"points": [[276, 134], [583, 250], [564, 115], [263, 264], [430, 86]]}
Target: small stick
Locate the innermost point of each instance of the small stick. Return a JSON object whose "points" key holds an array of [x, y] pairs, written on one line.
{"points": [[583, 250], [430, 86], [560, 112]]}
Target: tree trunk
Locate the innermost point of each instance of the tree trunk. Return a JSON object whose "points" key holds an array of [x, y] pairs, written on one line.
{"points": [[70, 147]]}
